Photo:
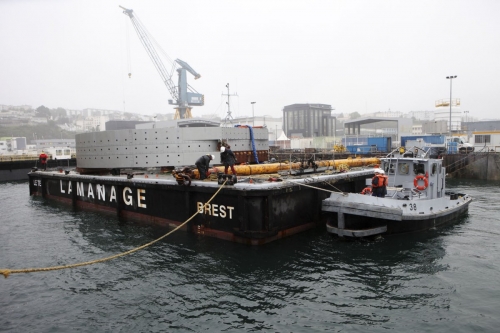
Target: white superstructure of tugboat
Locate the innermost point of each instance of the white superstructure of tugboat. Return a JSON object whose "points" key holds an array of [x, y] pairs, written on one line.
{"points": [[416, 199]]}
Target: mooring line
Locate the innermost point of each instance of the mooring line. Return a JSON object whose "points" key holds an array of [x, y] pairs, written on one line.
{"points": [[315, 187], [6, 272]]}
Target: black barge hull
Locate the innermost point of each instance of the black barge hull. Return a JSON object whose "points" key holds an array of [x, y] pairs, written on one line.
{"points": [[15, 170], [249, 213]]}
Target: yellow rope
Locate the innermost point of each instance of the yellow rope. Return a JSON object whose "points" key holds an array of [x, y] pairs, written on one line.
{"points": [[7, 272]]}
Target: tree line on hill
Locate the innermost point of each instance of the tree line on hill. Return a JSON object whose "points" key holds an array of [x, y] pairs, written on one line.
{"points": [[40, 131], [50, 130]]}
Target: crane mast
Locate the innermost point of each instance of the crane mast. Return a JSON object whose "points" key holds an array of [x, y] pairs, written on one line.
{"points": [[184, 96]]}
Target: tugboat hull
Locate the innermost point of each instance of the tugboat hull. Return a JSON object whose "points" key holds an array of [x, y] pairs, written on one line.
{"points": [[377, 216]]}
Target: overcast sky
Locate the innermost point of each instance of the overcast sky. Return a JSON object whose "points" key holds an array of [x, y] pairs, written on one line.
{"points": [[362, 56]]}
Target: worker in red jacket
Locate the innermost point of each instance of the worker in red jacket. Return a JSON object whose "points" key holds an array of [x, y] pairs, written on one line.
{"points": [[43, 160]]}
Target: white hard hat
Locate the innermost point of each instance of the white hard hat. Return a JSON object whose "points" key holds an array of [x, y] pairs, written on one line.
{"points": [[382, 172], [378, 170], [212, 156], [222, 149]]}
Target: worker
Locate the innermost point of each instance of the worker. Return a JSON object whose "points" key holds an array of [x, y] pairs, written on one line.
{"points": [[379, 184], [43, 160], [385, 183], [203, 163], [228, 159]]}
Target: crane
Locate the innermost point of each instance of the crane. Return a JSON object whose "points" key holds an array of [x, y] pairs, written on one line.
{"points": [[184, 96]]}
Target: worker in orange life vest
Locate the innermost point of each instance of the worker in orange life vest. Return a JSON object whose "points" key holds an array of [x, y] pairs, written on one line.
{"points": [[379, 183], [43, 160]]}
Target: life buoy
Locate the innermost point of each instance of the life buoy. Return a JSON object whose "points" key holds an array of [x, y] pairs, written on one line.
{"points": [[420, 177]]}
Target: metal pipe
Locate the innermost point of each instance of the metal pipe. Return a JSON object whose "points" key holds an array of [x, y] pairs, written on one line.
{"points": [[270, 168]]}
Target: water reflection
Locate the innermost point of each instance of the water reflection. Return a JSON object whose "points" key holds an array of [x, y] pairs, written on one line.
{"points": [[307, 282]]}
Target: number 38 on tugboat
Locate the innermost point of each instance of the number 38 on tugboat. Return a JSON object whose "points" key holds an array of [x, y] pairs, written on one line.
{"points": [[415, 199]]}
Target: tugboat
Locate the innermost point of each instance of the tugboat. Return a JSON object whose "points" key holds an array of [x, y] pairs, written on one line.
{"points": [[415, 199]]}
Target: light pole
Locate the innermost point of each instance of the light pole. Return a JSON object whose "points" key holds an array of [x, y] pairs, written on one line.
{"points": [[253, 114], [451, 80], [466, 127]]}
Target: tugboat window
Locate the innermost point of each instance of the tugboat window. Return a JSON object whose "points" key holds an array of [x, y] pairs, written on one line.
{"points": [[389, 168], [404, 169], [434, 168], [418, 168]]}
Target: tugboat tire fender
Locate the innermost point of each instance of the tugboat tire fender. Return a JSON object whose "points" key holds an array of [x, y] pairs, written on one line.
{"points": [[187, 180]]}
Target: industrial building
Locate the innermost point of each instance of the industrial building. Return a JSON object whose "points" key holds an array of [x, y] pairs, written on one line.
{"points": [[308, 120]]}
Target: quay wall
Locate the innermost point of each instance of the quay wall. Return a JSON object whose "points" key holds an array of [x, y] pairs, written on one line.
{"points": [[481, 166]]}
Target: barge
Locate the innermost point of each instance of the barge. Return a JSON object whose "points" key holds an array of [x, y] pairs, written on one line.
{"points": [[147, 175], [16, 169], [253, 211]]}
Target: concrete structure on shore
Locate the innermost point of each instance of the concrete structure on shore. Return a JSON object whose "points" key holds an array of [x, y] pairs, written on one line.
{"points": [[484, 166]]}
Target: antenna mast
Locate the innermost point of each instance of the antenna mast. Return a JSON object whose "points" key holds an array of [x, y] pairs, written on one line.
{"points": [[229, 116]]}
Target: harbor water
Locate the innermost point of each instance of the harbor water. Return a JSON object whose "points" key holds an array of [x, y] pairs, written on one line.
{"points": [[444, 280]]}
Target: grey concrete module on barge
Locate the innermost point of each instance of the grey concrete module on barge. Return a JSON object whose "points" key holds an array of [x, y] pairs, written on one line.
{"points": [[167, 144]]}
